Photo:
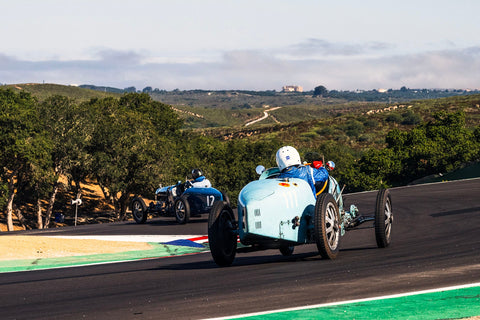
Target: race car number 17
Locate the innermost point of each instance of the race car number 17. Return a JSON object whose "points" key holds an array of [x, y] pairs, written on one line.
{"points": [[210, 200]]}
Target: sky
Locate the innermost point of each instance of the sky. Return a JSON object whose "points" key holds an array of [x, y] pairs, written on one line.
{"points": [[242, 44]]}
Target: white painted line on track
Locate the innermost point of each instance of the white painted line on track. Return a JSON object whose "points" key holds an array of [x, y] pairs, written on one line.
{"points": [[412, 293], [133, 238]]}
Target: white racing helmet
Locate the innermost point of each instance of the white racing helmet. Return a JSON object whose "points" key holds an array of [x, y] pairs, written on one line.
{"points": [[287, 156]]}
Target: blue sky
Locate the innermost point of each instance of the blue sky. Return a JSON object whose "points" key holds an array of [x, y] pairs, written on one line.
{"points": [[244, 44]]}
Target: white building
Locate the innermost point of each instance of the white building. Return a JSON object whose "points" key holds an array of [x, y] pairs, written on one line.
{"points": [[292, 89]]}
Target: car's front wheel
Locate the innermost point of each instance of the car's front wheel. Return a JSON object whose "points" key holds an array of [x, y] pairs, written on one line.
{"points": [[222, 236], [182, 210], [286, 250], [139, 210]]}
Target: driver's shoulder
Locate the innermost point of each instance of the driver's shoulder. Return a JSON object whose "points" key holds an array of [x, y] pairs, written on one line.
{"points": [[294, 171]]}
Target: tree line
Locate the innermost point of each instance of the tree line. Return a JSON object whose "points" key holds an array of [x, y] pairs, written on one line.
{"points": [[129, 145], [116, 142], [387, 95], [402, 94]]}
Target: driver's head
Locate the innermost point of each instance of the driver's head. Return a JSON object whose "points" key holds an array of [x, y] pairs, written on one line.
{"points": [[196, 173], [287, 156]]}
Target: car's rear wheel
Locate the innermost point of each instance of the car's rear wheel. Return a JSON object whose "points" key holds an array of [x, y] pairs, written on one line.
{"points": [[139, 210], [383, 218], [182, 210], [222, 236], [286, 250], [327, 228]]}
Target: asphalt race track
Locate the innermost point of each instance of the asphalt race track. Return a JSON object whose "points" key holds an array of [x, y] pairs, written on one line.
{"points": [[436, 243]]}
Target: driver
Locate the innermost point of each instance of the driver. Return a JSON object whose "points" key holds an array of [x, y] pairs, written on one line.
{"points": [[199, 180], [290, 165]]}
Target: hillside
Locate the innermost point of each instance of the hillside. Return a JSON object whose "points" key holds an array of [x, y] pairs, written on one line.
{"points": [[297, 118], [42, 91], [357, 125], [232, 110]]}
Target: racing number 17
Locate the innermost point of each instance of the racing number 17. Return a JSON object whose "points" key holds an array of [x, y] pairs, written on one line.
{"points": [[210, 200]]}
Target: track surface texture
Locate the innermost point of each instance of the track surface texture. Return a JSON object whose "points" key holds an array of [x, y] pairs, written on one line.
{"points": [[435, 243]]}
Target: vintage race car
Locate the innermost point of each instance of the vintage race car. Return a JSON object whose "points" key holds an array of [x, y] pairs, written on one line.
{"points": [[180, 200], [283, 213]]}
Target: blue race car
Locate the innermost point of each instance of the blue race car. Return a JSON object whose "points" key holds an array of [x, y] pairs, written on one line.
{"points": [[180, 200], [282, 213]]}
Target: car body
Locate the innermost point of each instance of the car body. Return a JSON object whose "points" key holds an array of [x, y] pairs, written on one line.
{"points": [[283, 212], [180, 200]]}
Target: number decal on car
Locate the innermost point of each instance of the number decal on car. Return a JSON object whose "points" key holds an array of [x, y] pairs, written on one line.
{"points": [[210, 200]]}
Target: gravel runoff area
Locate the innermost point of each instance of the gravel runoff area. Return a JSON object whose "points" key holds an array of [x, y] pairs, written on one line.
{"points": [[35, 247]]}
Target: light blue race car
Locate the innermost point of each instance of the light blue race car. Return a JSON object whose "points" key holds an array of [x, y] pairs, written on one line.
{"points": [[282, 213]]}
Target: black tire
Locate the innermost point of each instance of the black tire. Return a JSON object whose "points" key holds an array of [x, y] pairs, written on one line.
{"points": [[225, 197], [139, 210], [182, 210], [286, 250], [222, 236], [383, 218], [327, 226]]}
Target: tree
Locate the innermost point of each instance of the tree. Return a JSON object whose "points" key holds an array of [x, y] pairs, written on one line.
{"points": [[411, 118], [24, 147], [147, 90], [394, 117], [437, 146], [70, 129], [130, 89], [353, 128], [131, 145], [320, 91], [161, 116]]}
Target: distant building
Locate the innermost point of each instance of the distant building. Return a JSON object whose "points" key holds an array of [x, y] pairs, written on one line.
{"points": [[292, 89]]}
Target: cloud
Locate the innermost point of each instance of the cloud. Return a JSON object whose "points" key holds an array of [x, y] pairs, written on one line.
{"points": [[320, 47], [260, 70], [116, 57]]}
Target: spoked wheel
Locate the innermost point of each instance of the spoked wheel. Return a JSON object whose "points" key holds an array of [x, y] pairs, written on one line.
{"points": [[327, 228], [287, 250], [222, 236], [182, 210], [383, 218], [139, 210]]}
